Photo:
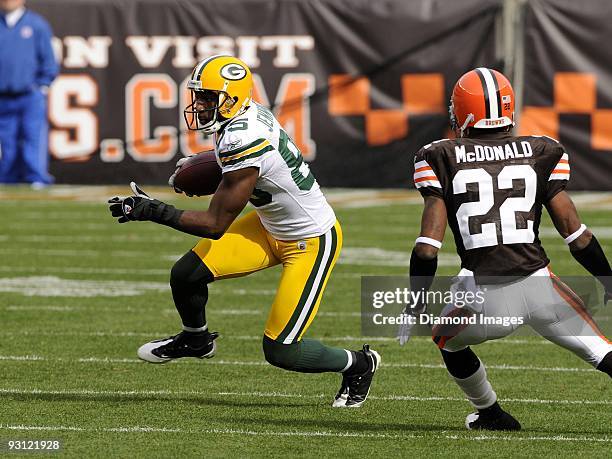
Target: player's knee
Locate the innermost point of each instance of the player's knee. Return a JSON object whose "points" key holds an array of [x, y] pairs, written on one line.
{"points": [[605, 365], [280, 355], [189, 270], [461, 364]]}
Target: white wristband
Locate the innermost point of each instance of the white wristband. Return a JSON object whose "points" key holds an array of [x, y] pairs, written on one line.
{"points": [[429, 241], [572, 237]]}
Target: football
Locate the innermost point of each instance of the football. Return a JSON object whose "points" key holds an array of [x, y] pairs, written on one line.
{"points": [[200, 175]]}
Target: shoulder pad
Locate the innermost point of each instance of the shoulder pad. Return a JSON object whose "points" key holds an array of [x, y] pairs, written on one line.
{"points": [[235, 135], [425, 147], [547, 139]]}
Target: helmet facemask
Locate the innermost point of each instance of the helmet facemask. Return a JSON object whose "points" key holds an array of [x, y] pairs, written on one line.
{"points": [[459, 130], [206, 110], [452, 118]]}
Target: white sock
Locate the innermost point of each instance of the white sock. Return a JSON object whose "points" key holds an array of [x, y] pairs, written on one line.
{"points": [[478, 389], [350, 361], [195, 329]]}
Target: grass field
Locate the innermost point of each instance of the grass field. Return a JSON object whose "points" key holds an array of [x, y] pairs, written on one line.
{"points": [[79, 294]]}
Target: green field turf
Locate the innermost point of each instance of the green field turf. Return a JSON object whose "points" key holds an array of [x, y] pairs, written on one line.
{"points": [[79, 294]]}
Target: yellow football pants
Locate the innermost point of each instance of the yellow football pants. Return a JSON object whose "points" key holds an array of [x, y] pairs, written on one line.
{"points": [[247, 247]]}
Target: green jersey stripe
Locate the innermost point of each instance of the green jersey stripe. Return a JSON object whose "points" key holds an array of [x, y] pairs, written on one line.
{"points": [[307, 288], [252, 155], [235, 151], [332, 254]]}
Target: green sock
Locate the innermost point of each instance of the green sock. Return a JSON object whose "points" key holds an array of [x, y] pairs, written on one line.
{"points": [[316, 357], [306, 356]]}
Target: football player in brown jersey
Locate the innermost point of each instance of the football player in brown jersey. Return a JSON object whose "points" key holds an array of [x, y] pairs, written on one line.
{"points": [[490, 186]]}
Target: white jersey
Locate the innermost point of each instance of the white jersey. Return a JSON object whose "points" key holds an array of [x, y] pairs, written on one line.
{"points": [[287, 197]]}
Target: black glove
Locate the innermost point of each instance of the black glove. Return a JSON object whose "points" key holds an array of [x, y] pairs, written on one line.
{"points": [[142, 207]]}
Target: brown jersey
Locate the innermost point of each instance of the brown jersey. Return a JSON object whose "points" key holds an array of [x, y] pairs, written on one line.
{"points": [[494, 186]]}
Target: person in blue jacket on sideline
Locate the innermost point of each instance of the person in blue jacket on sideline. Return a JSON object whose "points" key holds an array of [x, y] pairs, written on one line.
{"points": [[27, 68]]}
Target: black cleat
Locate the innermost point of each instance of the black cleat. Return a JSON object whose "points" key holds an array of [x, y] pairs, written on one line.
{"points": [[342, 395], [356, 387], [499, 421], [185, 344]]}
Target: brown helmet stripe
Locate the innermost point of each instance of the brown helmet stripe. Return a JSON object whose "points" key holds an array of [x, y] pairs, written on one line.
{"points": [[486, 93], [498, 94]]}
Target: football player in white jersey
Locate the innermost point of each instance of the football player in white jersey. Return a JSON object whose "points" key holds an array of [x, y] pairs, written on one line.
{"points": [[292, 225]]}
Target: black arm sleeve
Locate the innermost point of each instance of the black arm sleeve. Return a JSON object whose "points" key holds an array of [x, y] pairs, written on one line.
{"points": [[422, 273], [162, 213], [594, 260]]}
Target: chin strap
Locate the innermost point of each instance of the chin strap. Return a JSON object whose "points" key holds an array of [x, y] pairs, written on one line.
{"points": [[468, 120], [219, 124]]}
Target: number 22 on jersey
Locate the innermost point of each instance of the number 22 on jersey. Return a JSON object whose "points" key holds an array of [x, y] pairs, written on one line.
{"points": [[510, 234]]}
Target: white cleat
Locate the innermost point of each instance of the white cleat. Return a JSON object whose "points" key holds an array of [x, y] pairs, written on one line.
{"points": [[341, 398], [178, 346]]}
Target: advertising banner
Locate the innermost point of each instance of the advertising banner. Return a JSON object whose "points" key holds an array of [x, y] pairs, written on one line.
{"points": [[568, 84], [359, 85]]}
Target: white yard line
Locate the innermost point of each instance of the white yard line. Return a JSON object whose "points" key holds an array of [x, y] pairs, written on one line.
{"points": [[41, 226], [61, 270], [257, 394], [64, 216], [133, 271], [44, 308], [212, 311], [98, 194], [352, 256], [302, 433], [91, 194], [374, 256], [80, 253], [257, 363], [382, 339], [592, 200], [53, 286], [602, 232], [71, 239], [358, 256]]}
